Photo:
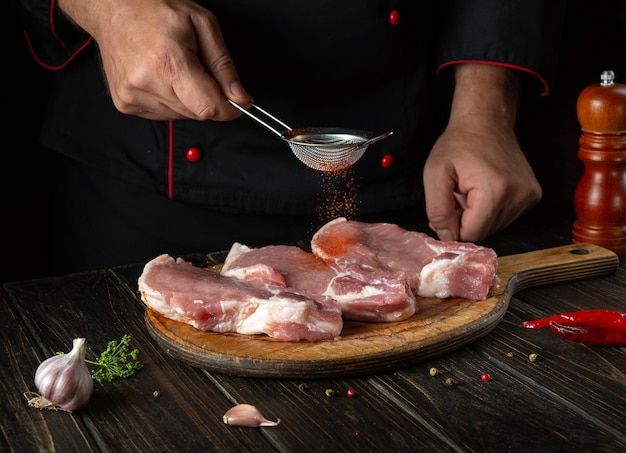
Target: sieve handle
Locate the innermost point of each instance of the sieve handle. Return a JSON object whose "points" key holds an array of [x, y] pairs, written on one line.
{"points": [[377, 138], [256, 118]]}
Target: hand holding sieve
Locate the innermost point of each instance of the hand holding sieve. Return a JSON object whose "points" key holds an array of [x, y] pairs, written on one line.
{"points": [[320, 148]]}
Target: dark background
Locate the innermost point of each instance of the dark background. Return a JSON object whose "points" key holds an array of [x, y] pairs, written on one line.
{"points": [[594, 39]]}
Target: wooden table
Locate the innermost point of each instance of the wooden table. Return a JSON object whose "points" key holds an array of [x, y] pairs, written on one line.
{"points": [[573, 398]]}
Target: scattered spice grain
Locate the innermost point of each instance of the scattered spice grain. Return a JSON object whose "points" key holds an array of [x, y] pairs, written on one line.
{"points": [[338, 196]]}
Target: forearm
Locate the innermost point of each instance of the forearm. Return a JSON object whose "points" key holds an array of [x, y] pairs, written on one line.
{"points": [[485, 93], [86, 14]]}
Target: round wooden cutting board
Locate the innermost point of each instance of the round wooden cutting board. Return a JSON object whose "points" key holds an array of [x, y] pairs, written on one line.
{"points": [[440, 326]]}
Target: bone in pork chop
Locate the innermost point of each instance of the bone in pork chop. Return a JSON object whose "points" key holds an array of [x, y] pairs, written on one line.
{"points": [[433, 268], [367, 295], [210, 301]]}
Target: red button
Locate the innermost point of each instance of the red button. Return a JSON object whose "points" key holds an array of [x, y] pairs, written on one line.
{"points": [[386, 161], [193, 154], [394, 17]]}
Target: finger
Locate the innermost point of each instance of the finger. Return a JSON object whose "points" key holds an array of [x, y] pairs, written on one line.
{"points": [[164, 113], [148, 95], [199, 94], [441, 206], [477, 218], [215, 57], [148, 106], [461, 200]]}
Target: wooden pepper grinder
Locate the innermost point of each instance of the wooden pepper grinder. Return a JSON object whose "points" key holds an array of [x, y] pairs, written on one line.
{"points": [[600, 198]]}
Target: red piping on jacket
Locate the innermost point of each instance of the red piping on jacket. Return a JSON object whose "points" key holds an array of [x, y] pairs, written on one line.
{"points": [[58, 38], [546, 88], [51, 20], [61, 66], [170, 165]]}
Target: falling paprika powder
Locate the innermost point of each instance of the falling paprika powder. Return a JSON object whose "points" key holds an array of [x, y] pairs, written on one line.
{"points": [[592, 327], [339, 195]]}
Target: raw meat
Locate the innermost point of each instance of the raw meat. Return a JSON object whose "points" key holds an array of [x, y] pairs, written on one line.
{"points": [[433, 268], [210, 301], [368, 295], [357, 271]]}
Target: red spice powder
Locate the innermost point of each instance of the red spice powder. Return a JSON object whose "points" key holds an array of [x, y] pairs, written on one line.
{"points": [[338, 196], [333, 246]]}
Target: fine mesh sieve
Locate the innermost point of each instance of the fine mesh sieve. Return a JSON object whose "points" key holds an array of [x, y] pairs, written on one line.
{"points": [[321, 148]]}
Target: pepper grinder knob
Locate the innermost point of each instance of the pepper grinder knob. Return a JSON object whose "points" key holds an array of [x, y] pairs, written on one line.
{"points": [[600, 198]]}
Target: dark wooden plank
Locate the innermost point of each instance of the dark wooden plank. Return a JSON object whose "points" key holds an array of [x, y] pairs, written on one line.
{"points": [[508, 413], [588, 381], [409, 410], [122, 414], [312, 421], [597, 362], [25, 429]]}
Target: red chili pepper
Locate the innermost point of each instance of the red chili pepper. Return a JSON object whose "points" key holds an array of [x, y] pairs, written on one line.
{"points": [[589, 318], [589, 335], [593, 327]]}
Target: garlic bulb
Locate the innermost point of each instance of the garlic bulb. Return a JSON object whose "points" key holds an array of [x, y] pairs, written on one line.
{"points": [[64, 379], [246, 415]]}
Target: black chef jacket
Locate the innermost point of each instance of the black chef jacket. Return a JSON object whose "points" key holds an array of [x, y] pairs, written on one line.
{"points": [[363, 64]]}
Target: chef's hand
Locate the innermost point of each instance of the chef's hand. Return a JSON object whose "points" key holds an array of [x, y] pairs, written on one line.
{"points": [[162, 59], [477, 180]]}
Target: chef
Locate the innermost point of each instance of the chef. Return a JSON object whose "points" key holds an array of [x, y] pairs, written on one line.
{"points": [[152, 157]]}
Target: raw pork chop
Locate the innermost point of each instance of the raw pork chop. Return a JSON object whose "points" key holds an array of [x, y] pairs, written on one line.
{"points": [[210, 301], [433, 268], [368, 295]]}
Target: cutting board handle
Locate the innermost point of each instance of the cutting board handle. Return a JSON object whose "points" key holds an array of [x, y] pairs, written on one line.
{"points": [[554, 265]]}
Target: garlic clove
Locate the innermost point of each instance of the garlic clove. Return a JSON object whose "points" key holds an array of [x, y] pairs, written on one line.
{"points": [[65, 379], [247, 415]]}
